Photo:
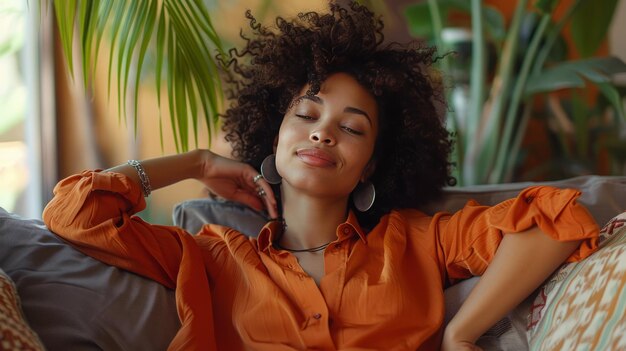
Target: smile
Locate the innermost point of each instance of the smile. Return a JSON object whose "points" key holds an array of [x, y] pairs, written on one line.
{"points": [[316, 157]]}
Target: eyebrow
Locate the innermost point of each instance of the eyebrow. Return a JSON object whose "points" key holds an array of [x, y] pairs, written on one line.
{"points": [[349, 109]]}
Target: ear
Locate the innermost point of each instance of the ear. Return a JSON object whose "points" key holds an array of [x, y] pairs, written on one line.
{"points": [[368, 171]]}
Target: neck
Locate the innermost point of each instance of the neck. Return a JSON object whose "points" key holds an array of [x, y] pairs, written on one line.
{"points": [[311, 221]]}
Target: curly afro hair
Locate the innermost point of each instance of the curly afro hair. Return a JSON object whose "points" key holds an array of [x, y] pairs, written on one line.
{"points": [[413, 145]]}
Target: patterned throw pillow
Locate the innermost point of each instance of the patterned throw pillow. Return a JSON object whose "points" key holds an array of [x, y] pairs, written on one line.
{"points": [[15, 334], [583, 305]]}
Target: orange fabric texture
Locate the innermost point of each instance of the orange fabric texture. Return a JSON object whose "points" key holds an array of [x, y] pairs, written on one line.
{"points": [[382, 290]]}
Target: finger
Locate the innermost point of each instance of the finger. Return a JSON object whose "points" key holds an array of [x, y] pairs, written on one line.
{"points": [[269, 198], [271, 207]]}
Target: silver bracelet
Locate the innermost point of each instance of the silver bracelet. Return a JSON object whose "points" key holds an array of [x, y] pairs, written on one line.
{"points": [[143, 177]]}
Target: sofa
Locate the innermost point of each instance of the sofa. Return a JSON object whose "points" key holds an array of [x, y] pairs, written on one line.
{"points": [[54, 297]]}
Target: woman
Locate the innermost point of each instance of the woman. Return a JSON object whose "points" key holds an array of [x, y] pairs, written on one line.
{"points": [[339, 266]]}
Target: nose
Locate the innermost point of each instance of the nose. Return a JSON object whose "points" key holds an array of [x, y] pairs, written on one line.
{"points": [[322, 136]]}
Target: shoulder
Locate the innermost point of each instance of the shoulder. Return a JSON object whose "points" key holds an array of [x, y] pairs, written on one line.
{"points": [[219, 235], [406, 215], [411, 232], [414, 217], [226, 253], [406, 221], [225, 243]]}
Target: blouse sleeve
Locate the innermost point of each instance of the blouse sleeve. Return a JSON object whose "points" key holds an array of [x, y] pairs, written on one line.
{"points": [[469, 238], [94, 211]]}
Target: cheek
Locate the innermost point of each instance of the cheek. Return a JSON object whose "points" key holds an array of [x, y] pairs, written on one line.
{"points": [[289, 135], [286, 139]]}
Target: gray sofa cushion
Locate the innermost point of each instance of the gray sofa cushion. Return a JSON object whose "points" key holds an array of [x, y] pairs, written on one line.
{"points": [[74, 302], [193, 214], [604, 197]]}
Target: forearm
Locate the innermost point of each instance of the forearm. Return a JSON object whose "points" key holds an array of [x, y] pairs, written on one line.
{"points": [[167, 170], [77, 205], [230, 179], [521, 263]]}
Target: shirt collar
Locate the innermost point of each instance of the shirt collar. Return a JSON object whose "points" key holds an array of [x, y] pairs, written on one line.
{"points": [[344, 230], [268, 233], [353, 222]]}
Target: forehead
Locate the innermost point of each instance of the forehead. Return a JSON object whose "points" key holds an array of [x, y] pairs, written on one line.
{"points": [[341, 90]]}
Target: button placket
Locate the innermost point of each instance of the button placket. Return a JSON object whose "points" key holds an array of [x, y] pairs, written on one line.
{"points": [[308, 297], [335, 264], [311, 303]]}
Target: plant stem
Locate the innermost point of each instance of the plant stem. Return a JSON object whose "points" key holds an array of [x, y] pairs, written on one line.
{"points": [[504, 149], [477, 83], [435, 16], [483, 149], [437, 23], [477, 74], [517, 142]]}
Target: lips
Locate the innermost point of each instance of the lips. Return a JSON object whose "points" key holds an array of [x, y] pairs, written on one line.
{"points": [[316, 157]]}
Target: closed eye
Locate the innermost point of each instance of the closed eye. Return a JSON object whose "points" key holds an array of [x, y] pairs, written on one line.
{"points": [[305, 117], [352, 131]]}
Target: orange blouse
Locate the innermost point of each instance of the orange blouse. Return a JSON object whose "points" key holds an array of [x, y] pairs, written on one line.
{"points": [[382, 290]]}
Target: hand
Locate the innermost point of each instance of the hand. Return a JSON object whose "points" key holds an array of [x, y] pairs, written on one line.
{"points": [[234, 181], [451, 344], [459, 346]]}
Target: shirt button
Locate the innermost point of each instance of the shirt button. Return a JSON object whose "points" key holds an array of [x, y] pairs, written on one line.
{"points": [[317, 316], [346, 230]]}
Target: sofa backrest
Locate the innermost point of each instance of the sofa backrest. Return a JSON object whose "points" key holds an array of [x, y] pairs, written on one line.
{"points": [[604, 197]]}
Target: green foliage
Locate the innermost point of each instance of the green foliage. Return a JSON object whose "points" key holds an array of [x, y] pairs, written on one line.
{"points": [[420, 20], [179, 33], [499, 106], [177, 38], [581, 136], [574, 74], [590, 25]]}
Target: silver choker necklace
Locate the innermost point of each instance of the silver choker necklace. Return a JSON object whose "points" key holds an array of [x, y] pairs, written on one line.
{"points": [[278, 246], [313, 249]]}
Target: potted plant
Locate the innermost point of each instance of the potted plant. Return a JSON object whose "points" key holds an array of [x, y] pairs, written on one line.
{"points": [[499, 105]]}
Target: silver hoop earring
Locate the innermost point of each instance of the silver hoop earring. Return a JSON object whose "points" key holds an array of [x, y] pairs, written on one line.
{"points": [[363, 196], [269, 171]]}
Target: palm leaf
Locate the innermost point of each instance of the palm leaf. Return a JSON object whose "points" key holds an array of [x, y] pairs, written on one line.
{"points": [[65, 11], [179, 33]]}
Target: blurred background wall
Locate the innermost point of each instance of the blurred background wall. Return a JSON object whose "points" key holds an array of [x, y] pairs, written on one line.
{"points": [[52, 127]]}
